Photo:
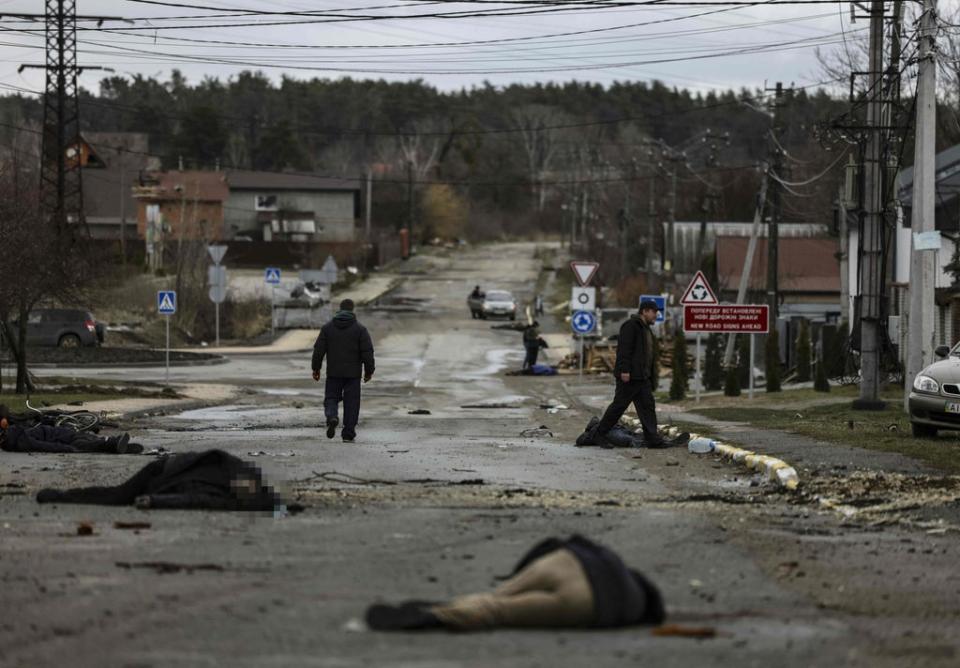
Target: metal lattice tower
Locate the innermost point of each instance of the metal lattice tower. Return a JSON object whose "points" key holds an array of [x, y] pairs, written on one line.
{"points": [[61, 187]]}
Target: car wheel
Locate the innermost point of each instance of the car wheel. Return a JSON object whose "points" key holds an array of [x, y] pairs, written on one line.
{"points": [[923, 430], [69, 341]]}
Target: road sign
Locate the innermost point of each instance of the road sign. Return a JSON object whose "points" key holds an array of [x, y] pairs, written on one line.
{"points": [[726, 318], [699, 291], [217, 275], [583, 322], [584, 271], [583, 299], [166, 302], [218, 294], [661, 305], [272, 275], [216, 253]]}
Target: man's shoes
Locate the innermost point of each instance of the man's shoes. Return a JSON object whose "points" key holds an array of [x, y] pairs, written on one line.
{"points": [[658, 444], [332, 426], [349, 439]]}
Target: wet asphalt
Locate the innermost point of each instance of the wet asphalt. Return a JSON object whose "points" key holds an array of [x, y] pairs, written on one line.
{"points": [[429, 506]]}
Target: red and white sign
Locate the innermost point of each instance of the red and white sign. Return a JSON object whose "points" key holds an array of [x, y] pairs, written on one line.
{"points": [[584, 271], [699, 291], [726, 318]]}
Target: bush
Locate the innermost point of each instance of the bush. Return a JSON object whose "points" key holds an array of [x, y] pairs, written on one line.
{"points": [[679, 384], [713, 367], [803, 353], [731, 386], [772, 355]]}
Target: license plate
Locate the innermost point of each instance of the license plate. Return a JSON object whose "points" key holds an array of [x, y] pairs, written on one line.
{"points": [[952, 407]]}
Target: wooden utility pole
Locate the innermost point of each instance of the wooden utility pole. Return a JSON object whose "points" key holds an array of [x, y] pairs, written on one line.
{"points": [[773, 231], [922, 221], [871, 237]]}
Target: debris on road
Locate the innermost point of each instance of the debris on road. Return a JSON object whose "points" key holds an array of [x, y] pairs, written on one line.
{"points": [[167, 567], [419, 411], [134, 526], [85, 529], [262, 453], [681, 631], [536, 432]]}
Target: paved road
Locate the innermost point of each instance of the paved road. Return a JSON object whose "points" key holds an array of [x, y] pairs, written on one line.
{"points": [[782, 582]]}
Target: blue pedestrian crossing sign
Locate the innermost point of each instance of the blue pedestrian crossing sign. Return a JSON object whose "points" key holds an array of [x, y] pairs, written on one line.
{"points": [[661, 305], [272, 275], [583, 322], [166, 302]]}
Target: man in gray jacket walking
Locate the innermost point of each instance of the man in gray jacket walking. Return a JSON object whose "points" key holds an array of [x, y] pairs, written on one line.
{"points": [[349, 351]]}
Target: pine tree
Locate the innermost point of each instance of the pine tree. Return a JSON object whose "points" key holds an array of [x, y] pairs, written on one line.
{"points": [[731, 386], [803, 353], [679, 383], [713, 368], [772, 354]]}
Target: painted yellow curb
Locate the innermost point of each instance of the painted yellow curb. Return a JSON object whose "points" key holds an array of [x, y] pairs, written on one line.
{"points": [[775, 469]]}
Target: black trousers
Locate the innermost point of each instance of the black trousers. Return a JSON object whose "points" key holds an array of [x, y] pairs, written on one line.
{"points": [[346, 390], [533, 351], [640, 394]]}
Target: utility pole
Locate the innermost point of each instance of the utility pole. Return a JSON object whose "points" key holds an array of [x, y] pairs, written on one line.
{"points": [[61, 191], [123, 216], [871, 237], [410, 200], [367, 209], [773, 231], [651, 223], [922, 262]]}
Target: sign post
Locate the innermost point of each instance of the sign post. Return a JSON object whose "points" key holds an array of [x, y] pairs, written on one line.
{"points": [[167, 305], [751, 365], [698, 292], [271, 276], [218, 283]]}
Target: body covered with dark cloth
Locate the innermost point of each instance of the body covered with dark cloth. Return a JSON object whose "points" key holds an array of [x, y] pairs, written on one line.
{"points": [[572, 583], [60, 440], [621, 596], [212, 479]]}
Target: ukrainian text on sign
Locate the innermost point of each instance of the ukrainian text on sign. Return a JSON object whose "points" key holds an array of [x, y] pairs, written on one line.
{"points": [[727, 318]]}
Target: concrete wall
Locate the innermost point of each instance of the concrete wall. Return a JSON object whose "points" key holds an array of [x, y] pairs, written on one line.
{"points": [[333, 211]]}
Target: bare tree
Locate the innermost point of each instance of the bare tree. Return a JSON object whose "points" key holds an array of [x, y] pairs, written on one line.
{"points": [[540, 136], [40, 263]]}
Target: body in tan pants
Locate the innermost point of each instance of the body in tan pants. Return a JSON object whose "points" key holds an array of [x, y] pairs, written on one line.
{"points": [[552, 591]]}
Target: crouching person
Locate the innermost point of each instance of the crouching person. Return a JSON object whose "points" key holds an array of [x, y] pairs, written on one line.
{"points": [[572, 583]]}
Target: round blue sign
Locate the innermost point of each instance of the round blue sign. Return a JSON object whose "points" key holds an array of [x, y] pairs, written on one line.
{"points": [[583, 322]]}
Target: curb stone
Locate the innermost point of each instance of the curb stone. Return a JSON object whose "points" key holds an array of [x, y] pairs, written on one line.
{"points": [[775, 469]]}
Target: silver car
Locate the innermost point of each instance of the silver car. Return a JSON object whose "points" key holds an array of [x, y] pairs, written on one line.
{"points": [[935, 398], [499, 304]]}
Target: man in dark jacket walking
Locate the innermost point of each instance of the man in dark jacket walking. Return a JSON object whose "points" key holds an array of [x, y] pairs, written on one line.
{"points": [[635, 373], [349, 351]]}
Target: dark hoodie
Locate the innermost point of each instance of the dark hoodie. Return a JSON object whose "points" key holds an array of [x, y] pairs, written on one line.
{"points": [[621, 596], [635, 349], [347, 346]]}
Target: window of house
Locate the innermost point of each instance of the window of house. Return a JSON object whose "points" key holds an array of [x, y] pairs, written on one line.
{"points": [[266, 203]]}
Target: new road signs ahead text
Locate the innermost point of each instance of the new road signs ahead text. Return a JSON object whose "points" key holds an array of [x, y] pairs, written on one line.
{"points": [[726, 318]]}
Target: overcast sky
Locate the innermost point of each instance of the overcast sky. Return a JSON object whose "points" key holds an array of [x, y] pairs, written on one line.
{"points": [[681, 48]]}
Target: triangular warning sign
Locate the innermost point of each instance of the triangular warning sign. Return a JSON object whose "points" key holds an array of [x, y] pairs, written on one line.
{"points": [[584, 271], [699, 291]]}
